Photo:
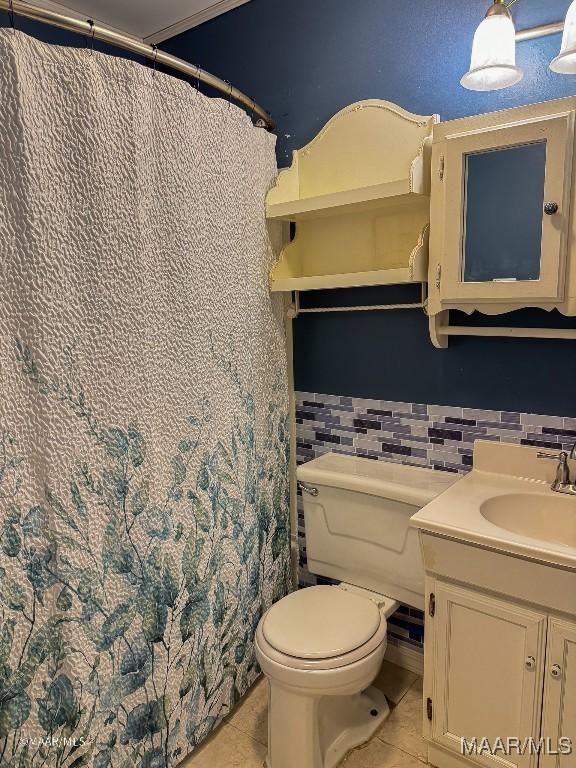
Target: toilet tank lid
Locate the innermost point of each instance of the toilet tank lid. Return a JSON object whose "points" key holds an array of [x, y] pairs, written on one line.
{"points": [[399, 482]]}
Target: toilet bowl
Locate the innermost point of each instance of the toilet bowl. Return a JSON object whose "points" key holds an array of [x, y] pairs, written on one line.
{"points": [[320, 649]]}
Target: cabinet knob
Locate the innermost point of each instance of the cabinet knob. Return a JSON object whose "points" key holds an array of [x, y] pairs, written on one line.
{"points": [[556, 670], [530, 662], [550, 208]]}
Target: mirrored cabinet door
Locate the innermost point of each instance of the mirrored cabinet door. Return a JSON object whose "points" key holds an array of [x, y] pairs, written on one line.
{"points": [[503, 204], [507, 211]]}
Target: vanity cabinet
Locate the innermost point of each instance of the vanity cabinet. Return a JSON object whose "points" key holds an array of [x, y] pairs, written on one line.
{"points": [[488, 669], [496, 669], [501, 229], [559, 718]]}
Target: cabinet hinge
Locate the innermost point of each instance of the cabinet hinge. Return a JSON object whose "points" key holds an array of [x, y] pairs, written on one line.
{"points": [[441, 168], [429, 708], [438, 276], [432, 604]]}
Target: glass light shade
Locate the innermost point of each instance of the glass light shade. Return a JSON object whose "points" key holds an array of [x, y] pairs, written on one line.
{"points": [[493, 63], [565, 62]]}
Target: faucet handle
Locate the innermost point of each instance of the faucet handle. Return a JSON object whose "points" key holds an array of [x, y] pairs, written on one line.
{"points": [[562, 470]]}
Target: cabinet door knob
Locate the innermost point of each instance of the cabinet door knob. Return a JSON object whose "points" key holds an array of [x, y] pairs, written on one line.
{"points": [[556, 670], [550, 208], [530, 662]]}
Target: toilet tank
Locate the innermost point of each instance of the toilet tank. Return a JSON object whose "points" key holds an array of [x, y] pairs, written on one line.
{"points": [[357, 525]]}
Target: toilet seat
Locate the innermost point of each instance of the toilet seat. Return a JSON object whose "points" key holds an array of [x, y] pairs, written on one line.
{"points": [[320, 623], [321, 628]]}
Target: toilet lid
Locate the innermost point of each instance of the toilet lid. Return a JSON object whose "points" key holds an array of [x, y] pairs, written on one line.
{"points": [[320, 623]]}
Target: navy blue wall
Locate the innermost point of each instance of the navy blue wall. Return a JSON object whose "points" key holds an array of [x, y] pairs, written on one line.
{"points": [[304, 61]]}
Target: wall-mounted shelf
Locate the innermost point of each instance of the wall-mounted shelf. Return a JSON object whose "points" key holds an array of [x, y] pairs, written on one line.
{"points": [[291, 272], [390, 194], [359, 194]]}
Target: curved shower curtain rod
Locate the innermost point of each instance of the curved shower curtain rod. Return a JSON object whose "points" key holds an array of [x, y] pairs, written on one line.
{"points": [[129, 43]]}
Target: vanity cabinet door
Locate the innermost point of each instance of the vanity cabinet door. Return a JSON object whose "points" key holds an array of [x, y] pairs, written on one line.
{"points": [[507, 212], [559, 720], [488, 671]]}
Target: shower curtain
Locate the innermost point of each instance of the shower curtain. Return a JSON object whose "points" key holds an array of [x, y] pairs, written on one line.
{"points": [[143, 434]]}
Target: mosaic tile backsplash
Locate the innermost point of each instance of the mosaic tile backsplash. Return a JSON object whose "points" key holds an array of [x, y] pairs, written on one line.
{"points": [[435, 436]]}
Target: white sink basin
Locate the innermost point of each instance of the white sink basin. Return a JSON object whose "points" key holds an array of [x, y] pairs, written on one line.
{"points": [[506, 503], [547, 517]]}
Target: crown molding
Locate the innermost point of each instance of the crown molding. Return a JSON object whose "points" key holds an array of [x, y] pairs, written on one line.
{"points": [[51, 5], [193, 21], [218, 8]]}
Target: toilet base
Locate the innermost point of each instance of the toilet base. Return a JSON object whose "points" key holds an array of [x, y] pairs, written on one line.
{"points": [[344, 722], [352, 723]]}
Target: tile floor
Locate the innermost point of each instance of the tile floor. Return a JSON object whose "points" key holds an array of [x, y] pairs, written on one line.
{"points": [[240, 742]]}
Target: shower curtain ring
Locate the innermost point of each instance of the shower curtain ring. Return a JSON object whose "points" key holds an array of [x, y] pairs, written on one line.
{"points": [[155, 49], [198, 70], [11, 16], [92, 30]]}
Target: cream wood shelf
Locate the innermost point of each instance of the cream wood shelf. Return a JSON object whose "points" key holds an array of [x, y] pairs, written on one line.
{"points": [[359, 194], [283, 279], [391, 193]]}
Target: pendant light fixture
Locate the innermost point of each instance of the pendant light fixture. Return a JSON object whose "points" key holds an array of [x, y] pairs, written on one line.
{"points": [[493, 62], [565, 62]]}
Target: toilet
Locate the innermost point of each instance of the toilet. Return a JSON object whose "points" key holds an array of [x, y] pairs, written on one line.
{"points": [[322, 647]]}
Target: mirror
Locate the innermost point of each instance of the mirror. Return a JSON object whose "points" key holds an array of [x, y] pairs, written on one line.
{"points": [[504, 198]]}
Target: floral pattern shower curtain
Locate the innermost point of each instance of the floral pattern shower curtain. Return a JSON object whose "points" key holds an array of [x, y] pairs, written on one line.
{"points": [[143, 436]]}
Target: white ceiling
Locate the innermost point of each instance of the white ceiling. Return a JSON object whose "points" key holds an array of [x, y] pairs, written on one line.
{"points": [[148, 20]]}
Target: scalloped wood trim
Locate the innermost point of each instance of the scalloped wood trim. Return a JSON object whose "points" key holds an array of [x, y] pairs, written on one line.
{"points": [[418, 262], [411, 117]]}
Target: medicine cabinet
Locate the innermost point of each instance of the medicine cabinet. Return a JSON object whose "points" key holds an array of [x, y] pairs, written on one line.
{"points": [[501, 220]]}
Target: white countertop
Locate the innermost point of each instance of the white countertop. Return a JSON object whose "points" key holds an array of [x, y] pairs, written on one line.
{"points": [[456, 512]]}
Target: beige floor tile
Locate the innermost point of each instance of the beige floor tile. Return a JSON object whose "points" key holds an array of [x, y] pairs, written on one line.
{"points": [[251, 715], [376, 754], [241, 741], [394, 681], [228, 747], [403, 729]]}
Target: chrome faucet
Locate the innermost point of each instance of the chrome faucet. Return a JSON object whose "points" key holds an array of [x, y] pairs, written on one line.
{"points": [[562, 482]]}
